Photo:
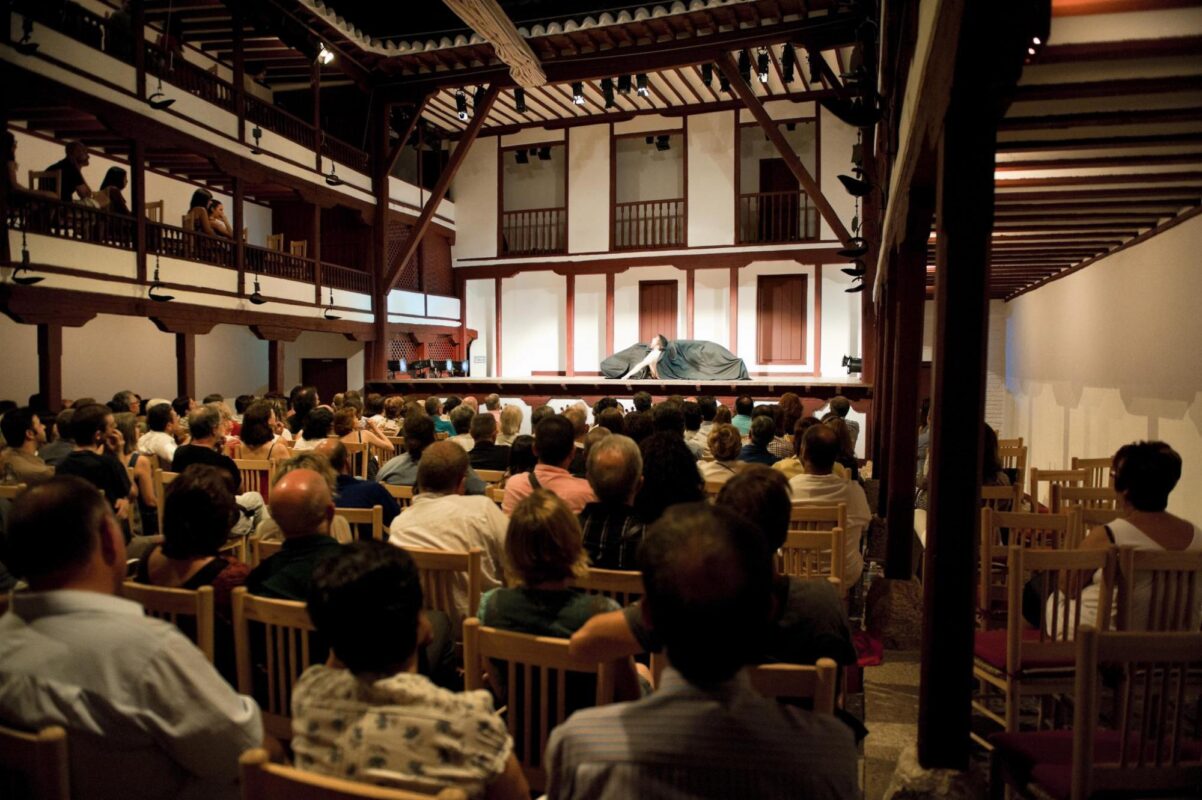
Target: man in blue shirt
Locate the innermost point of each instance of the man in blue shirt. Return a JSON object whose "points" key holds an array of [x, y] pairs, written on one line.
{"points": [[763, 428], [744, 405], [354, 492]]}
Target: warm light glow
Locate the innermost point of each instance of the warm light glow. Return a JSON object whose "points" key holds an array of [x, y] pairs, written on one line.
{"points": [[325, 56]]}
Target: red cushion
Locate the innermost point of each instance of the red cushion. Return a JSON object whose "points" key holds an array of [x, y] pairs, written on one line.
{"points": [[990, 647], [1055, 780]]}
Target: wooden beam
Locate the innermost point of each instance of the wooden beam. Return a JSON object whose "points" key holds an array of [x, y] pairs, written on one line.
{"points": [[497, 301], [137, 196], [733, 317], [487, 18], [50, 364], [772, 130], [395, 154], [609, 312], [377, 352], [570, 324], [185, 364], [275, 365], [440, 190]]}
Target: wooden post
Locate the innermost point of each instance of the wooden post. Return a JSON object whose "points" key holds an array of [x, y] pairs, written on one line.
{"points": [[239, 223], [734, 310], [376, 365], [50, 363], [318, 135], [570, 324], [689, 291], [609, 313], [185, 364], [138, 23], [239, 22], [137, 192], [315, 252], [497, 295], [275, 365]]}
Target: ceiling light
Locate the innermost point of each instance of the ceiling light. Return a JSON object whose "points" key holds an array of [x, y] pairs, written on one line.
{"points": [[478, 100], [519, 100], [623, 84], [856, 247], [257, 134], [332, 179], [328, 313], [723, 83], [521, 157], [544, 153], [157, 100], [578, 93], [815, 70], [662, 143], [641, 83], [325, 56], [156, 284], [461, 105], [744, 66], [707, 73], [788, 62], [1030, 51], [1036, 40], [856, 271], [257, 298], [761, 65], [607, 92]]}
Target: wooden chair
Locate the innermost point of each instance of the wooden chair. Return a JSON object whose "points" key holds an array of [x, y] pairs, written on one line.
{"points": [[357, 453], [1171, 582], [260, 550], [999, 530], [807, 516], [373, 516], [813, 554], [275, 241], [712, 489], [1066, 497], [491, 476], [1021, 661], [262, 780], [798, 682], [154, 211], [1098, 469], [402, 494], [1016, 442], [1014, 458], [543, 661], [299, 249], [382, 456], [11, 491], [1054, 477], [256, 475], [286, 654], [236, 548], [170, 605], [1147, 750], [161, 479], [46, 182], [34, 765], [1002, 498], [495, 493], [1096, 517], [620, 585], [450, 580], [398, 443]]}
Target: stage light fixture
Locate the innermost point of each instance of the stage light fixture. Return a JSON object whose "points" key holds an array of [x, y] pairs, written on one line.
{"points": [[815, 70], [522, 157], [157, 100], [325, 56], [25, 280], [607, 92], [744, 66], [478, 100], [723, 83], [257, 297], [641, 84], [663, 143], [853, 364], [544, 153], [26, 46], [461, 105], [855, 186], [332, 179], [328, 312], [707, 73], [257, 134], [156, 285], [788, 62], [578, 93], [519, 100], [790, 126], [623, 84], [857, 247], [761, 66]]}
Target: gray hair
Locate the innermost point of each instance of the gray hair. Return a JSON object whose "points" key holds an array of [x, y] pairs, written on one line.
{"points": [[614, 467]]}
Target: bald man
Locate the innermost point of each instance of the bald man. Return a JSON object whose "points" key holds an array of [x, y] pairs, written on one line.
{"points": [[301, 504]]}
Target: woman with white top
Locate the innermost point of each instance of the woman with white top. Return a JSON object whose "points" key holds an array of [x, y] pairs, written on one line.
{"points": [[725, 442]]}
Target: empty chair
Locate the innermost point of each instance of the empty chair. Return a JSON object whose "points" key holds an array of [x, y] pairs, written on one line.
{"points": [[1015, 442], [371, 520], [275, 241], [998, 531], [47, 182], [1054, 477], [299, 249], [154, 211], [194, 607], [1098, 498], [1098, 469], [262, 780], [808, 516], [798, 682], [34, 766], [620, 585], [451, 581], [161, 480], [1013, 458]]}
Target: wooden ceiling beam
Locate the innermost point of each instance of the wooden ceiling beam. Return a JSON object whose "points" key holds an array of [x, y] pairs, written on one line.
{"points": [[1169, 46], [1085, 180], [487, 18], [1113, 88], [1148, 116], [1158, 159]]}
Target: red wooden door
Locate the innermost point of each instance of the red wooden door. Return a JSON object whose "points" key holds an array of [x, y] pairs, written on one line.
{"points": [[778, 213], [657, 309], [781, 319], [327, 375]]}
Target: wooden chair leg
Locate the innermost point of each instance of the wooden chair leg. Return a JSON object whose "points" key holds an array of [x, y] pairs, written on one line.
{"points": [[1012, 706]]}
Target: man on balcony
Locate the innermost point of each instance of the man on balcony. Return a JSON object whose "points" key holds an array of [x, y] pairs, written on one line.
{"points": [[71, 181]]}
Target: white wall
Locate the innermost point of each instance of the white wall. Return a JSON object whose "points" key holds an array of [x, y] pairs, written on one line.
{"points": [[533, 324], [835, 142], [311, 344], [588, 188], [711, 174], [643, 172], [1110, 355], [475, 192], [231, 361], [711, 305], [589, 334], [18, 360], [482, 317], [535, 184]]}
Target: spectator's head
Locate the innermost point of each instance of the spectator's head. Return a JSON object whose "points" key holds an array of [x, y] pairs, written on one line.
{"points": [[760, 494], [521, 455], [393, 407], [419, 434], [692, 416], [318, 424], [708, 579], [611, 420], [366, 601], [114, 177], [539, 414], [638, 425], [203, 424], [554, 441], [304, 399], [443, 469], [62, 423], [301, 504], [819, 450], [670, 476], [744, 405], [433, 406], [773, 412], [242, 402], [258, 423], [88, 546], [345, 420], [579, 419], [161, 418], [842, 433], [1145, 473], [725, 442], [21, 426], [511, 420], [668, 418], [461, 418], [592, 438], [723, 416], [127, 426], [642, 401], [799, 431], [89, 423], [200, 199], [373, 404], [615, 469], [215, 207], [790, 410], [451, 404], [353, 400], [762, 430], [707, 404], [472, 403], [492, 402], [198, 513], [335, 453], [77, 153], [603, 404], [126, 400], [308, 460], [543, 543], [484, 428], [840, 405], [182, 405]]}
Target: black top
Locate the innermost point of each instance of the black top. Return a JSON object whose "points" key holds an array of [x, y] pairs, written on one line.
{"points": [[70, 178], [106, 472], [357, 493], [288, 574], [190, 454], [489, 455], [612, 534]]}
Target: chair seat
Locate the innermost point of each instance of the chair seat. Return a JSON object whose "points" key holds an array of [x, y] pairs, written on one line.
{"points": [[989, 647]]}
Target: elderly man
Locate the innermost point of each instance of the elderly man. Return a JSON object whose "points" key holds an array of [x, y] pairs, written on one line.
{"points": [[819, 484], [554, 444], [763, 430], [146, 713], [485, 452], [612, 532], [402, 470], [354, 492], [302, 506], [461, 421], [705, 732], [23, 433]]}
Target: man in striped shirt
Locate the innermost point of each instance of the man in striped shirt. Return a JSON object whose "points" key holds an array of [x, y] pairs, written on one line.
{"points": [[705, 732]]}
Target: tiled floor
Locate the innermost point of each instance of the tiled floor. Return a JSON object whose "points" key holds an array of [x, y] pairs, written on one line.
{"points": [[891, 715]]}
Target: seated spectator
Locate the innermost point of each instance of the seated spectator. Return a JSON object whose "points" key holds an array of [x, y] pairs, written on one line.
{"points": [[840, 407], [367, 603], [791, 410], [125, 400], [471, 402], [521, 458], [610, 418], [638, 425], [763, 429], [204, 425], [61, 446], [402, 470], [723, 416], [744, 406], [354, 492], [461, 421], [707, 406], [258, 440], [197, 218], [780, 446], [670, 476], [642, 402], [109, 196], [511, 425], [97, 443], [303, 508], [145, 712], [555, 447], [725, 443], [301, 401], [267, 529], [818, 484], [485, 453], [847, 456], [578, 416], [319, 425], [434, 409], [694, 438], [705, 731], [612, 533], [71, 182], [347, 422], [241, 403], [792, 465], [217, 219], [23, 433], [539, 414], [146, 522], [668, 417], [492, 404], [159, 439], [442, 518]]}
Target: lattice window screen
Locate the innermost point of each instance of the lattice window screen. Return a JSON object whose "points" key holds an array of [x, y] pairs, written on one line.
{"points": [[402, 348]]}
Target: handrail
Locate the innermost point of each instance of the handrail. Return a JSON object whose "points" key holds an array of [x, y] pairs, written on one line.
{"points": [[50, 216], [534, 230], [278, 264], [279, 121], [334, 148], [345, 278], [180, 72], [175, 242], [783, 216], [643, 224]]}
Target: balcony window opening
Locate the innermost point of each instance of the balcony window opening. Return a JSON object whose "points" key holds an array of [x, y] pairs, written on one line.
{"points": [[772, 205], [649, 198], [534, 216]]}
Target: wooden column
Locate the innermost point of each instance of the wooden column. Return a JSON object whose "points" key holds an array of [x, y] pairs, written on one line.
{"points": [[239, 223], [570, 325], [50, 363], [138, 24], [318, 135], [497, 298], [609, 313], [376, 365], [734, 310], [689, 289], [315, 252], [137, 193], [185, 364], [239, 22], [275, 365]]}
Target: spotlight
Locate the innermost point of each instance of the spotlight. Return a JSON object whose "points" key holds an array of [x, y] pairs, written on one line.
{"points": [[157, 100], [744, 66], [641, 83], [790, 126], [544, 153], [578, 93], [662, 143], [325, 56], [607, 91], [857, 247], [519, 100], [25, 280], [723, 83], [257, 133], [156, 284], [650, 140], [522, 157], [328, 313], [478, 100], [856, 114], [26, 46], [855, 186], [1036, 40], [853, 364], [257, 298], [332, 179], [707, 73], [857, 271], [815, 71], [461, 105], [623, 84], [761, 65], [788, 62]]}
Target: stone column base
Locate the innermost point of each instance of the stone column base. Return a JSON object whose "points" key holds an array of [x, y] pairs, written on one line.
{"points": [[893, 613], [911, 781]]}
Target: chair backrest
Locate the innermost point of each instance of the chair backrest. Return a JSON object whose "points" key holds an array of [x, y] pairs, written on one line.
{"points": [[1015, 442], [441, 436], [402, 494], [1000, 529], [495, 493], [813, 554], [1052, 477], [11, 491], [262, 780], [47, 182], [713, 488], [170, 605], [299, 249], [382, 456], [357, 452], [796, 681], [543, 661], [1159, 590], [491, 475], [260, 549], [620, 585], [154, 210], [256, 475], [285, 651], [161, 479], [1065, 497], [1014, 457], [1152, 672], [373, 516], [1002, 498], [1096, 517], [808, 516], [275, 241], [34, 765], [1099, 471], [445, 574]]}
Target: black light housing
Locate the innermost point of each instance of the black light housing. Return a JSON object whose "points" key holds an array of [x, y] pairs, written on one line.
{"points": [[157, 285], [857, 271], [723, 83], [257, 134], [519, 100], [328, 312], [788, 62], [26, 46], [856, 288], [461, 105], [578, 93], [332, 179], [662, 142], [623, 84], [761, 65], [853, 364], [707, 73], [477, 100], [815, 70], [857, 247], [855, 113], [607, 92], [521, 157], [640, 81], [744, 66], [157, 100], [544, 153]]}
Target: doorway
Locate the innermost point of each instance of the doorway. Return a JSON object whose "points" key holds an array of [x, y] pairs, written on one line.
{"points": [[779, 220], [327, 375], [657, 309]]}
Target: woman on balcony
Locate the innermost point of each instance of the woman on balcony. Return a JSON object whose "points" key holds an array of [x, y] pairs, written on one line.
{"points": [[221, 225], [109, 196], [197, 218]]}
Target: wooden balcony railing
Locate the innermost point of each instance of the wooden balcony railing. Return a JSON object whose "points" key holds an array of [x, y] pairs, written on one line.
{"points": [[173, 242], [69, 19], [52, 217], [533, 231], [193, 79], [648, 224], [343, 153], [777, 217], [345, 278], [279, 121], [279, 265]]}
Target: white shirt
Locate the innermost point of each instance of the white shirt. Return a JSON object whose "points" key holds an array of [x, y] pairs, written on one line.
{"points": [[464, 440], [833, 489], [147, 715], [456, 522], [158, 443]]}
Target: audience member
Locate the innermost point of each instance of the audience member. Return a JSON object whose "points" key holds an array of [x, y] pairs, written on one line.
{"points": [[402, 470], [723, 416], [366, 602], [707, 406], [578, 416], [763, 429], [71, 183], [611, 419], [847, 455], [670, 476], [354, 492], [258, 440], [319, 424], [485, 453], [434, 409], [511, 425], [705, 732], [205, 447], [693, 436], [61, 446], [109, 196], [725, 443], [840, 406], [23, 433], [340, 529], [159, 439], [97, 443], [791, 410], [792, 465], [612, 533], [638, 425], [555, 447], [302, 400], [461, 421], [668, 417], [817, 484], [521, 457], [146, 522], [125, 400], [145, 712], [780, 446], [197, 218], [744, 406], [539, 414], [492, 405], [642, 402], [471, 402], [218, 221], [347, 422], [303, 508]]}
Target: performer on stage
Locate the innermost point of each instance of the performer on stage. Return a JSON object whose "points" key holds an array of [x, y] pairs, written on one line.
{"points": [[683, 359]]}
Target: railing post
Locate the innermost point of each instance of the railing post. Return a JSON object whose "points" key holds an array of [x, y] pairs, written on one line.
{"points": [[239, 72], [239, 244], [137, 179]]}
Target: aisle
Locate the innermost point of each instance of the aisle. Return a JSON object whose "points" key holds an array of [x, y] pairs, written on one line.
{"points": [[891, 715]]}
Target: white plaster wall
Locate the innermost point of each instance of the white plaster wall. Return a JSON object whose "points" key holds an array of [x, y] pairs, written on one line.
{"points": [[626, 302], [835, 142], [711, 174], [18, 360], [475, 192], [311, 344], [1110, 355], [747, 345], [754, 146], [230, 361], [535, 184], [711, 305], [588, 188], [111, 353], [840, 322], [589, 334], [481, 315], [644, 173], [533, 329]]}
